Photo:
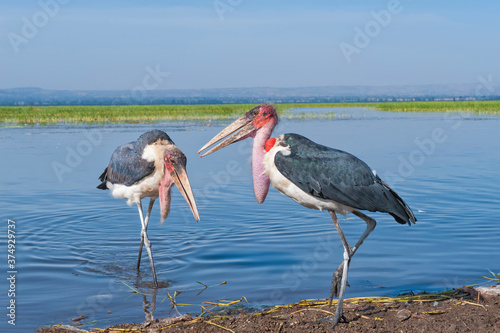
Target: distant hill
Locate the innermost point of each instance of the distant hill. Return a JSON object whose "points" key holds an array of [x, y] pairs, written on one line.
{"points": [[38, 96]]}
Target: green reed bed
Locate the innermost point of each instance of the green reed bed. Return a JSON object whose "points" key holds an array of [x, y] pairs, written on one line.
{"points": [[491, 107], [116, 113], [46, 115]]}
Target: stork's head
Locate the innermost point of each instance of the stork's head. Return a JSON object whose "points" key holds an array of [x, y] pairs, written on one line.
{"points": [[175, 172], [261, 119], [257, 123]]}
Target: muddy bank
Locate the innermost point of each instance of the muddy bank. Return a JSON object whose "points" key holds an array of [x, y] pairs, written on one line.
{"points": [[460, 310]]}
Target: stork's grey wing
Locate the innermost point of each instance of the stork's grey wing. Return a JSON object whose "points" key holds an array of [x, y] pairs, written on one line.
{"points": [[336, 175], [126, 167]]}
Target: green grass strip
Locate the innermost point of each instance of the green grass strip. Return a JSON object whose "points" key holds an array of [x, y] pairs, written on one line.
{"points": [[47, 115]]}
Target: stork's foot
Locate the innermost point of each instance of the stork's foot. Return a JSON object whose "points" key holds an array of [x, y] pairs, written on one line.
{"points": [[334, 320], [336, 283]]}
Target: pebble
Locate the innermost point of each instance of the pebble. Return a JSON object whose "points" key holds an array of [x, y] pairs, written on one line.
{"points": [[403, 314], [492, 290]]}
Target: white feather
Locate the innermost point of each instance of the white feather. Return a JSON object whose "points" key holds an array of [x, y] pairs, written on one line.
{"points": [[150, 153]]}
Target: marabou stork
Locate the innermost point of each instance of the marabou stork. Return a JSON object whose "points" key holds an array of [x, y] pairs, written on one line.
{"points": [[316, 177], [144, 168]]}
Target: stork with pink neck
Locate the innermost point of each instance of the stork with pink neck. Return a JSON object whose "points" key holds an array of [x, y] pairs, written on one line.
{"points": [[317, 177]]}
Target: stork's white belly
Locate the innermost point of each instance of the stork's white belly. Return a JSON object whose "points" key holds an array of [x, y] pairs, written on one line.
{"points": [[147, 187], [285, 186]]}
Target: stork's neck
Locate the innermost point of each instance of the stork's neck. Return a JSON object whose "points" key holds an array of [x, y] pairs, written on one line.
{"points": [[260, 181]]}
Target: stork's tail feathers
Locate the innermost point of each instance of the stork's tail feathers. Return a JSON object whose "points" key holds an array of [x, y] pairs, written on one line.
{"points": [[404, 214], [103, 178]]}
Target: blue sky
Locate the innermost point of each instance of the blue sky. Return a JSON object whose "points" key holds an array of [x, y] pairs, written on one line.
{"points": [[99, 45]]}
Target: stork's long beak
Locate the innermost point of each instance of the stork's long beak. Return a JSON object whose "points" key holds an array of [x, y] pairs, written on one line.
{"points": [[181, 180], [239, 129]]}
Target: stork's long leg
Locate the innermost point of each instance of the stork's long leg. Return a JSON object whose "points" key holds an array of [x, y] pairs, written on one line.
{"points": [[146, 221], [147, 243], [337, 275], [347, 258]]}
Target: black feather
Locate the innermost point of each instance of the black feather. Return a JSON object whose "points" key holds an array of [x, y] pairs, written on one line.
{"points": [[127, 166], [103, 178], [333, 174]]}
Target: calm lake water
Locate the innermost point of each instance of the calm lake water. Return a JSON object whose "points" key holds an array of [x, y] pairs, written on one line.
{"points": [[76, 246]]}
